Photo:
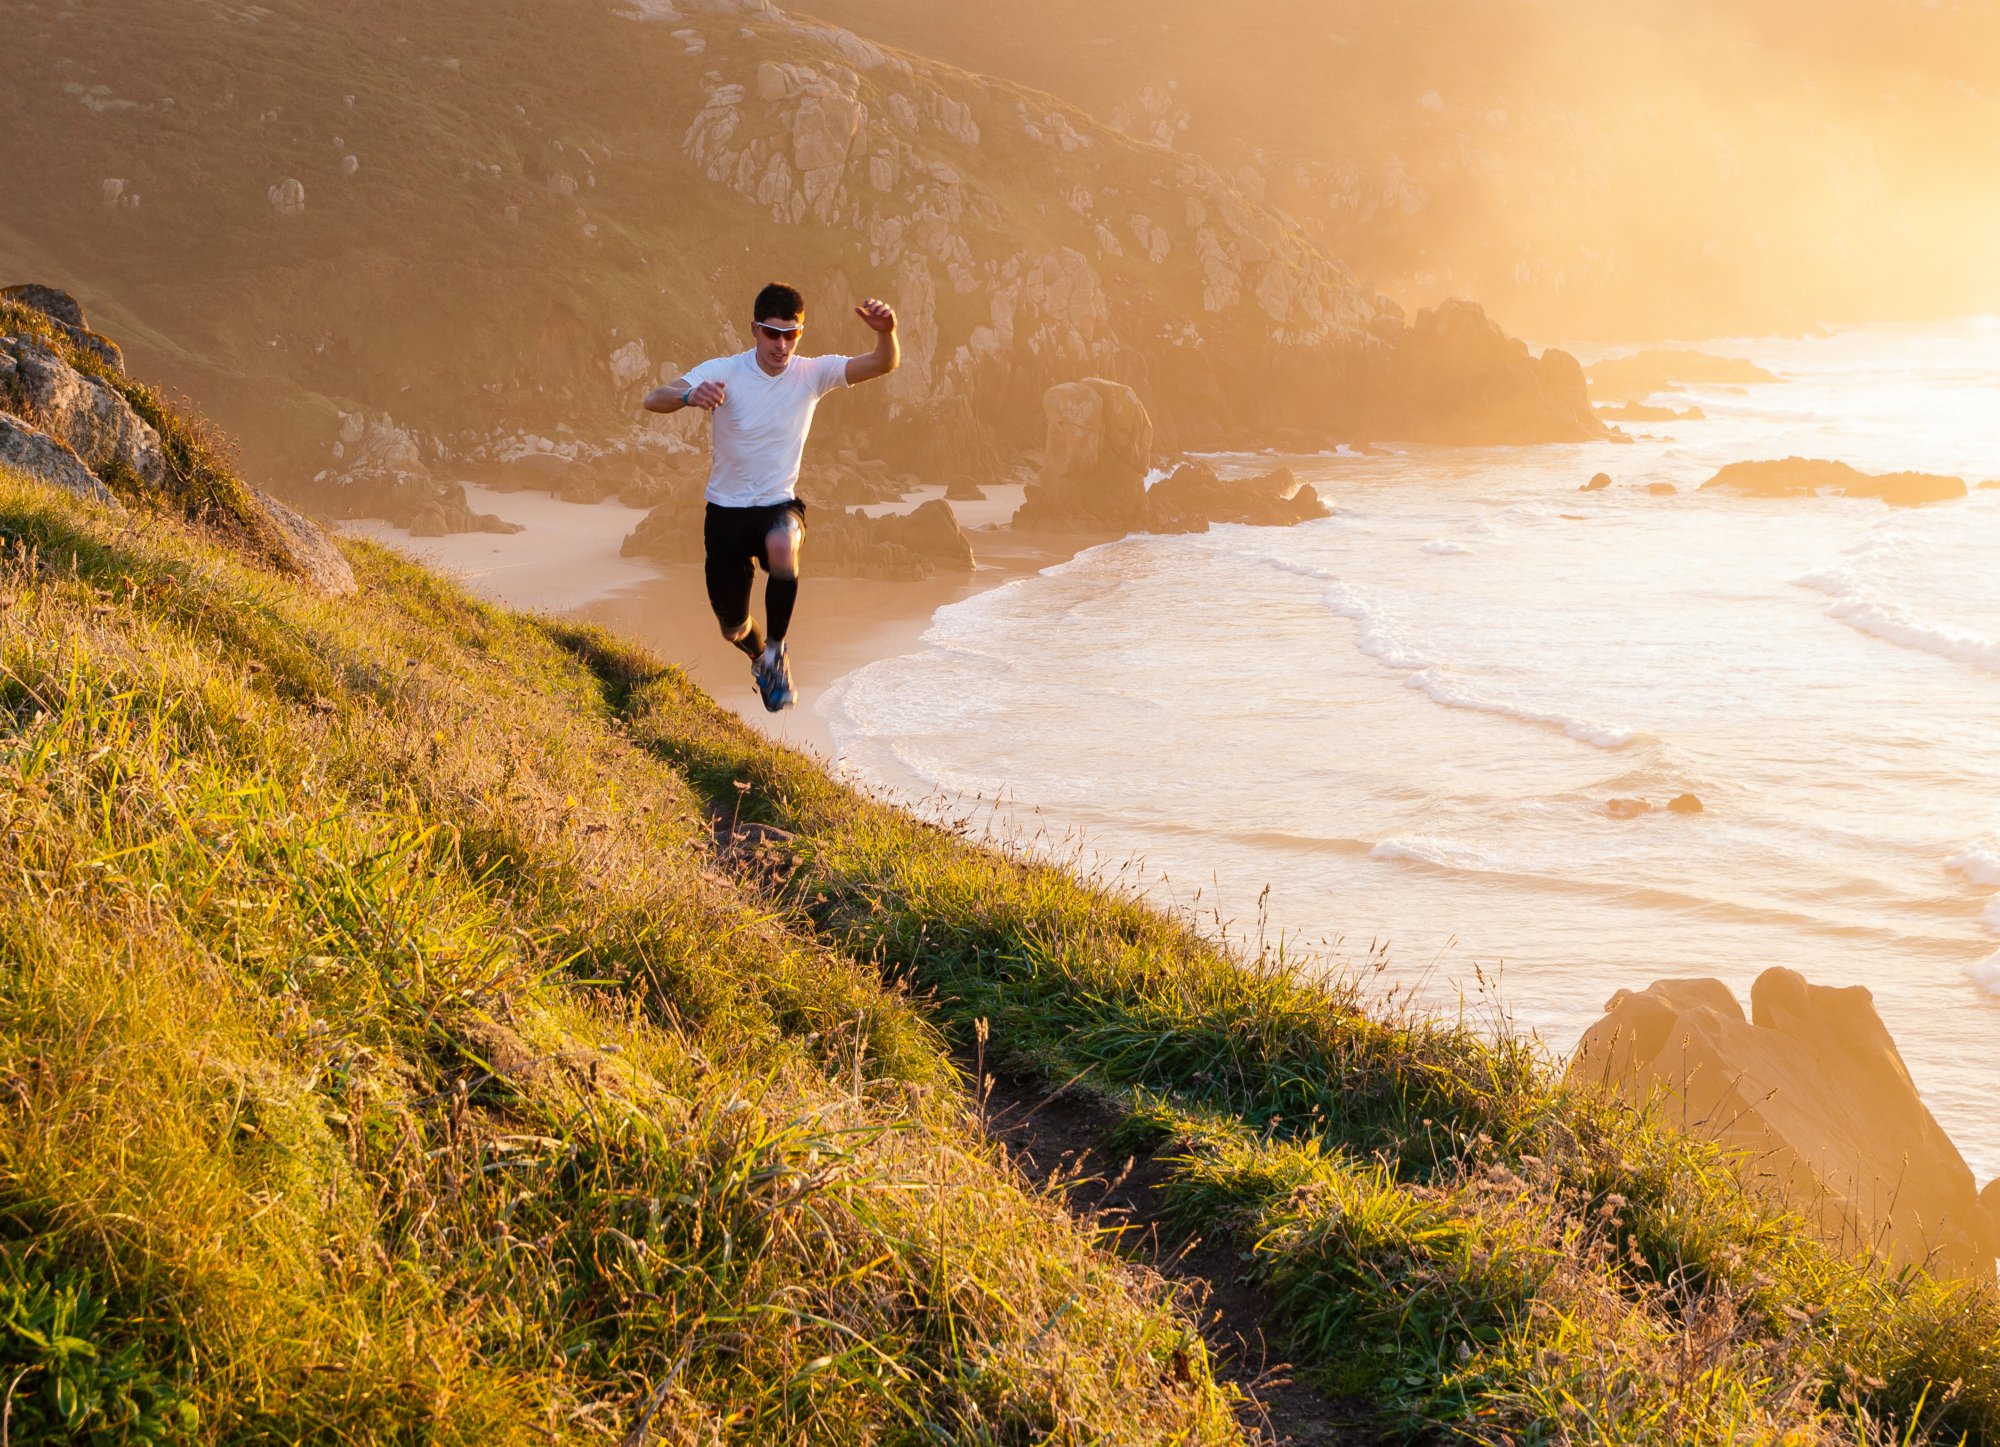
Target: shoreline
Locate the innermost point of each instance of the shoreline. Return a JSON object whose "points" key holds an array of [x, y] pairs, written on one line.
{"points": [[566, 561]]}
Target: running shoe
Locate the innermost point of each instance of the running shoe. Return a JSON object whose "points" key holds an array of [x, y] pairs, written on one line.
{"points": [[773, 672]]}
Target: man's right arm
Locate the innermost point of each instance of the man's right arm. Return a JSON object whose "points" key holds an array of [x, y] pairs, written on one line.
{"points": [[681, 393]]}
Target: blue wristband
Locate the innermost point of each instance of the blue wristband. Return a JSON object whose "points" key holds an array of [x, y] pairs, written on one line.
{"points": [[686, 397]]}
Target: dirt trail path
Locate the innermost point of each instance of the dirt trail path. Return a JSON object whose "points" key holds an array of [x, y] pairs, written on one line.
{"points": [[1054, 1138]]}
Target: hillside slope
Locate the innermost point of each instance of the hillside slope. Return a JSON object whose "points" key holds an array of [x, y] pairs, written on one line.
{"points": [[380, 240], [421, 1022]]}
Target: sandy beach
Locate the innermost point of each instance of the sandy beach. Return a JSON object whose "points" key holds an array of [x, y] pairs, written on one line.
{"points": [[566, 560]]}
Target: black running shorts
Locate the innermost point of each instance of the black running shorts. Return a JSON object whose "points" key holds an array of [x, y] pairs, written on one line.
{"points": [[733, 540]]}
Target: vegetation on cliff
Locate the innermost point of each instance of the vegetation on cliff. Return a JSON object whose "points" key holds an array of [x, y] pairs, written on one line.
{"points": [[389, 1052]]}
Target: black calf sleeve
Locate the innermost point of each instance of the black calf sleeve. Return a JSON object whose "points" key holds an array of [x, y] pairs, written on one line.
{"points": [[780, 594]]}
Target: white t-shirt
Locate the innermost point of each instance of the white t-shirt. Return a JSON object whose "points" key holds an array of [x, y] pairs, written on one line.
{"points": [[759, 431]]}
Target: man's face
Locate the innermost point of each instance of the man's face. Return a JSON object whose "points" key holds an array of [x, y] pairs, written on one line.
{"points": [[777, 339]]}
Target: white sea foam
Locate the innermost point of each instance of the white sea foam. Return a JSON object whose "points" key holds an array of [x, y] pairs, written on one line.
{"points": [[1378, 637], [1374, 633], [1986, 974], [1421, 850], [1440, 687], [1990, 917], [1978, 862], [1297, 570], [1446, 550], [1866, 608]]}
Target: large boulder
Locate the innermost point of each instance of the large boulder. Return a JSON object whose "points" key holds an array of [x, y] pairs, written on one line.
{"points": [[931, 531], [1812, 477], [88, 414], [1097, 450], [1811, 1092], [48, 459], [305, 548], [1192, 497], [66, 313], [1456, 377]]}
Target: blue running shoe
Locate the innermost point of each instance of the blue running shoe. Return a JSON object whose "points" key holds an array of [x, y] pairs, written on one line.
{"points": [[773, 672]]}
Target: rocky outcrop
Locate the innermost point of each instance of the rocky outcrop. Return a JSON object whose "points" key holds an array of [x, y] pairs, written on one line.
{"points": [[1098, 449], [919, 544], [383, 475], [1598, 482], [1812, 477], [304, 547], [76, 431], [48, 459], [66, 313], [1812, 1093], [1456, 377], [89, 415], [1192, 497], [1640, 412]]}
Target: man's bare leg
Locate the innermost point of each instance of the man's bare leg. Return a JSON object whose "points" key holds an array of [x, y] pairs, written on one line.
{"points": [[748, 639]]}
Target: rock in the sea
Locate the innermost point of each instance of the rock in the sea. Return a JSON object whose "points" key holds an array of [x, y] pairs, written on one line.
{"points": [[1659, 370], [1661, 489], [1627, 808], [288, 197], [89, 415], [1456, 377], [304, 547], [1810, 476], [1192, 497], [931, 531], [1597, 483], [1099, 446], [1811, 1090], [1685, 804], [67, 313], [1640, 412], [48, 459]]}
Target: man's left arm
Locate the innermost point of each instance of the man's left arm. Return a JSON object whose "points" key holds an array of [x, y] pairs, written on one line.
{"points": [[881, 320]]}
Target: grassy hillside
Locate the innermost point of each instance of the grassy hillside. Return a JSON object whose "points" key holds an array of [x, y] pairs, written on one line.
{"points": [[390, 1053]]}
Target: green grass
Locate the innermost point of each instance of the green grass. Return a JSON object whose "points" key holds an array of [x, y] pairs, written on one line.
{"points": [[388, 1054], [385, 1059]]}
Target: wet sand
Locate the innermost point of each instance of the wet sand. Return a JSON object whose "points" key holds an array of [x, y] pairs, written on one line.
{"points": [[567, 561]]}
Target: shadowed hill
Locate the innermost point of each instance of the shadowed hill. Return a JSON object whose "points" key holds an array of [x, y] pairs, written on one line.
{"points": [[378, 238]]}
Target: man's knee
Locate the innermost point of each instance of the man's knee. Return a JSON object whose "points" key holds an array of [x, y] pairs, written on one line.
{"points": [[782, 548], [734, 632]]}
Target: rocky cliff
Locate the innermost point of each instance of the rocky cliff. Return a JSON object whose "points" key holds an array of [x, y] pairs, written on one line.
{"points": [[73, 420], [1811, 1090], [392, 242]]}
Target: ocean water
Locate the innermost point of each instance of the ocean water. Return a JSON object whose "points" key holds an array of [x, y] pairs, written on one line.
{"points": [[1388, 737]]}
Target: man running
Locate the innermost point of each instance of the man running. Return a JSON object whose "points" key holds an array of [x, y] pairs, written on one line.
{"points": [[761, 404]]}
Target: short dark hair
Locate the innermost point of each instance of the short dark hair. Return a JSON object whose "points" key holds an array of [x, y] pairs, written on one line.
{"points": [[784, 303]]}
